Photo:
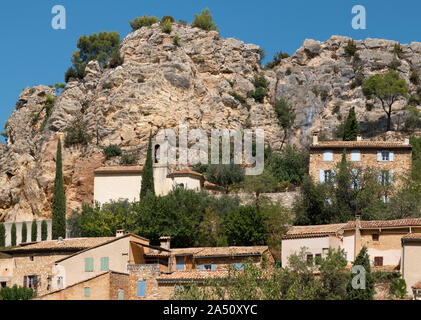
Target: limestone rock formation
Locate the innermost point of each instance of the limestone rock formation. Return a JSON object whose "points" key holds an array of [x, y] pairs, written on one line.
{"points": [[162, 84]]}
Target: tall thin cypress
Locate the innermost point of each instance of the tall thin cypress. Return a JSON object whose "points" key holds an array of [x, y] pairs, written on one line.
{"points": [[2, 235], [363, 260], [352, 127], [24, 232], [34, 231], [44, 230], [147, 174], [59, 199], [13, 235]]}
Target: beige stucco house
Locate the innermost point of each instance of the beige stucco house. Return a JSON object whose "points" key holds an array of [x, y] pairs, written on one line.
{"points": [[411, 263]]}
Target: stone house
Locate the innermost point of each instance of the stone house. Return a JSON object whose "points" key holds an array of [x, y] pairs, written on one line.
{"points": [[382, 239], [124, 182], [391, 159], [6, 270], [411, 263], [32, 264]]}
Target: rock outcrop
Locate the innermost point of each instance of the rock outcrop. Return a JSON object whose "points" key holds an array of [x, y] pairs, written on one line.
{"points": [[162, 84]]}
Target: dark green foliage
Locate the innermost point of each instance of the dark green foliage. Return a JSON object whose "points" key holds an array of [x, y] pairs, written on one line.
{"points": [[44, 230], [352, 127], [398, 288], [246, 226], [112, 150], [176, 40], [59, 199], [414, 78], [147, 174], [34, 231], [240, 98], [166, 26], [290, 165], [107, 85], [141, 79], [413, 121], [13, 234], [387, 89], [358, 81], [350, 48], [17, 293], [414, 100], [76, 134], [362, 259], [277, 58], [128, 158], [286, 117], [395, 64], [115, 59], [143, 21], [224, 174], [260, 83], [204, 21], [397, 50], [24, 232], [167, 18], [324, 95], [103, 47], [2, 235]]}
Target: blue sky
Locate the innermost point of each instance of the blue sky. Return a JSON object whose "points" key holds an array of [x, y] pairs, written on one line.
{"points": [[32, 52]]}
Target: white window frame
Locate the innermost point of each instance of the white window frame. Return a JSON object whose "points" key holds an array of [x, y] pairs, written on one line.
{"points": [[328, 155]]}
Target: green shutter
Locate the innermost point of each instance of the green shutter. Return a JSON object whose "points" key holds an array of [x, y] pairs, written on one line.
{"points": [[87, 292], [89, 264], [104, 264]]}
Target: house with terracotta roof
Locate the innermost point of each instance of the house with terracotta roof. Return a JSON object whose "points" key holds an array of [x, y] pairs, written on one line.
{"points": [[382, 239], [390, 159], [411, 264], [124, 182]]}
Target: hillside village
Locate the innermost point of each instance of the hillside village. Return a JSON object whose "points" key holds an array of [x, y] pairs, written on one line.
{"points": [[89, 210]]}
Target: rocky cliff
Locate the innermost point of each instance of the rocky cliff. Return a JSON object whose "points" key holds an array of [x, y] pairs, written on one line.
{"points": [[161, 84]]}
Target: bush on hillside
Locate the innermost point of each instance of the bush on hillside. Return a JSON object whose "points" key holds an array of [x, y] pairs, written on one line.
{"points": [[204, 21], [144, 21]]}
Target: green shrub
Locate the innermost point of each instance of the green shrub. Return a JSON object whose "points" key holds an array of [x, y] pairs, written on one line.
{"points": [[259, 94], [143, 21], [260, 82], [106, 85], [369, 106], [17, 293], [288, 72], [24, 232], [141, 79], [115, 59], [350, 48], [176, 40], [358, 81], [262, 55], [277, 58], [397, 50], [71, 73], [76, 135], [415, 100], [166, 26], [398, 288], [2, 235], [167, 18], [128, 158], [204, 21], [34, 230], [414, 78], [395, 64], [324, 95], [238, 97], [112, 151]]}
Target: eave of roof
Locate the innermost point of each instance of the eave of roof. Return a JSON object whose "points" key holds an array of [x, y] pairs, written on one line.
{"points": [[119, 169], [360, 145]]}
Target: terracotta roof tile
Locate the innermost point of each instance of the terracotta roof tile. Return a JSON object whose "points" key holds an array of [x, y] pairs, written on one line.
{"points": [[361, 144], [385, 223], [220, 251], [119, 169], [313, 231], [193, 275], [414, 236], [186, 172]]}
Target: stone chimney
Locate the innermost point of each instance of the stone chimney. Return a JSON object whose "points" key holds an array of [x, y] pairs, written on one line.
{"points": [[165, 242], [359, 138], [316, 137], [120, 233]]}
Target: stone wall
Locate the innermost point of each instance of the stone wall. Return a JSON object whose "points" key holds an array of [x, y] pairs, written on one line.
{"points": [[143, 272]]}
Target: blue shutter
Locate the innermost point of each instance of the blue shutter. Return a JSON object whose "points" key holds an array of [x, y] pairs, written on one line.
{"points": [[180, 263], [391, 177], [379, 156], [201, 267], [213, 267], [104, 264], [141, 288], [391, 156], [239, 266], [87, 292]]}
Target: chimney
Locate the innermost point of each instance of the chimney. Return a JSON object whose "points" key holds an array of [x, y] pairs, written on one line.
{"points": [[406, 141], [120, 233], [316, 137], [165, 242], [359, 138]]}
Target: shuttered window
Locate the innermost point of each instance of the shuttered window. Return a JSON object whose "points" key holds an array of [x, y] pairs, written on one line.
{"points": [[104, 263], [89, 264], [378, 261], [355, 155], [180, 263], [141, 288], [238, 266], [328, 155], [87, 292]]}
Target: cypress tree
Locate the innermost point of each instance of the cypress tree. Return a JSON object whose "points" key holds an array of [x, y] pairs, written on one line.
{"points": [[34, 231], [147, 174], [44, 230], [362, 259], [13, 234], [59, 200], [24, 232], [352, 127], [2, 235]]}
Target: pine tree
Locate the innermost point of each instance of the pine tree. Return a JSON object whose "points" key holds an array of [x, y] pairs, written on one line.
{"points": [[147, 174], [2, 235], [34, 231], [59, 200], [24, 232], [362, 259], [352, 127], [44, 230], [13, 235]]}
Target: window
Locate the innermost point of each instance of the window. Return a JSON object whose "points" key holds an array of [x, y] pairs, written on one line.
{"points": [[310, 258], [355, 179], [326, 176], [328, 156], [385, 199], [104, 263], [318, 258], [355, 155], [60, 284], [87, 292], [3, 284], [385, 156], [208, 267], [385, 177], [180, 263], [141, 288], [325, 251], [157, 153], [31, 258], [375, 237], [238, 266], [180, 186], [89, 264], [120, 294], [378, 261], [31, 282]]}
